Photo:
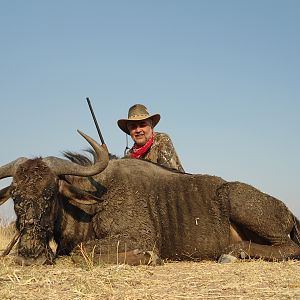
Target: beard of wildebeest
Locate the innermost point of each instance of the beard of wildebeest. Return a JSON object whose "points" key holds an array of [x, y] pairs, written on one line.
{"points": [[34, 203]]}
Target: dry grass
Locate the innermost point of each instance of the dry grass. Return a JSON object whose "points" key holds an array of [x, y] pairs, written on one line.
{"points": [[7, 230], [174, 280]]}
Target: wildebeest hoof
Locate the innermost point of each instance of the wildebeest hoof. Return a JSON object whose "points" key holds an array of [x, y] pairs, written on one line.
{"points": [[226, 258], [153, 259], [243, 255]]}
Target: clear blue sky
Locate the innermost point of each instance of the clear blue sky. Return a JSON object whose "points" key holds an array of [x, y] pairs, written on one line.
{"points": [[224, 75]]}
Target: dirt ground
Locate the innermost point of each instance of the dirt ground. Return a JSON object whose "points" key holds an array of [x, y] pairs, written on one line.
{"points": [[173, 280]]}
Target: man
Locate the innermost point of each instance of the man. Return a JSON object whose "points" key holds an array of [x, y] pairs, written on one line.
{"points": [[149, 145]]}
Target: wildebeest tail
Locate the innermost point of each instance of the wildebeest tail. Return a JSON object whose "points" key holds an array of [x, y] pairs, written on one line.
{"points": [[295, 233]]}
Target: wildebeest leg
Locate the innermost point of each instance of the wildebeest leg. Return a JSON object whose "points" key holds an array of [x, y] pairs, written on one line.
{"points": [[100, 252], [247, 249], [264, 222]]}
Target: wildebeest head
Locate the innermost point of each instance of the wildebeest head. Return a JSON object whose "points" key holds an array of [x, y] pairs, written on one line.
{"points": [[34, 189]]}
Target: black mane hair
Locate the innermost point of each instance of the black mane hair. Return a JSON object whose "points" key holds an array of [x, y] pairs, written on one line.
{"points": [[84, 160]]}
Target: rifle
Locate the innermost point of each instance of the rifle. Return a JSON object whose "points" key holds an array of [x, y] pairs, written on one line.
{"points": [[95, 120]]}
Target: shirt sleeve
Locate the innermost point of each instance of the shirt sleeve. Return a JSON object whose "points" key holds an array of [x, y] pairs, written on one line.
{"points": [[166, 154]]}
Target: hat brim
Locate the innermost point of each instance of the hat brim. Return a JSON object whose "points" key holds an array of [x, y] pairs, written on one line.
{"points": [[122, 123]]}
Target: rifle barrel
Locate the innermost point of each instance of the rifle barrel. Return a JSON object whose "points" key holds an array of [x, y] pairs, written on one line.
{"points": [[95, 120]]}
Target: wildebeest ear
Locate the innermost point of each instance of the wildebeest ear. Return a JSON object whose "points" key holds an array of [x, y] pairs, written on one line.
{"points": [[77, 195], [4, 194]]}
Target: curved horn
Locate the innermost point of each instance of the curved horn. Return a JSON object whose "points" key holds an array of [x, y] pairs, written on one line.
{"points": [[10, 169], [64, 167], [4, 194]]}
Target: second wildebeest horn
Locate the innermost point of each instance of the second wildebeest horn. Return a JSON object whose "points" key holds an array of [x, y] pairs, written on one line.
{"points": [[64, 167], [9, 169], [11, 244]]}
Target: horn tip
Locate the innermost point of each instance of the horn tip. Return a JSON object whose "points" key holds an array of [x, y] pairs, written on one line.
{"points": [[80, 132]]}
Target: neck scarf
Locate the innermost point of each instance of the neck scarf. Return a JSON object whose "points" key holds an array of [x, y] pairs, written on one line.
{"points": [[139, 151]]}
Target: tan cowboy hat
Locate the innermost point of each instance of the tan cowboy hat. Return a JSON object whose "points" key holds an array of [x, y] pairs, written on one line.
{"points": [[137, 112]]}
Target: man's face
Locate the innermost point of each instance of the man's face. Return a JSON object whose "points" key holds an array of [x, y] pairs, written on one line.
{"points": [[140, 131]]}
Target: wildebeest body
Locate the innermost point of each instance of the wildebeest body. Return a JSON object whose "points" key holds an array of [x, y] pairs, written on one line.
{"points": [[184, 216], [148, 206], [130, 204]]}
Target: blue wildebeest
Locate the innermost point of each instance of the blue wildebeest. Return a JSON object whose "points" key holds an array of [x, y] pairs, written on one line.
{"points": [[123, 205]]}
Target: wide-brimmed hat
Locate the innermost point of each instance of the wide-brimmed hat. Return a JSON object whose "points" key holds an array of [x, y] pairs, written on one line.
{"points": [[137, 112]]}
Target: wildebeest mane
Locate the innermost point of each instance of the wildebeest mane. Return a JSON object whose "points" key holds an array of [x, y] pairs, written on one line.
{"points": [[85, 160]]}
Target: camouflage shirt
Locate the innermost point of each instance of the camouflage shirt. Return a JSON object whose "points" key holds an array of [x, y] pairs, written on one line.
{"points": [[162, 152]]}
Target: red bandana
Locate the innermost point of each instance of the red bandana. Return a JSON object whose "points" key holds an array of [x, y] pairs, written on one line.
{"points": [[139, 151]]}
